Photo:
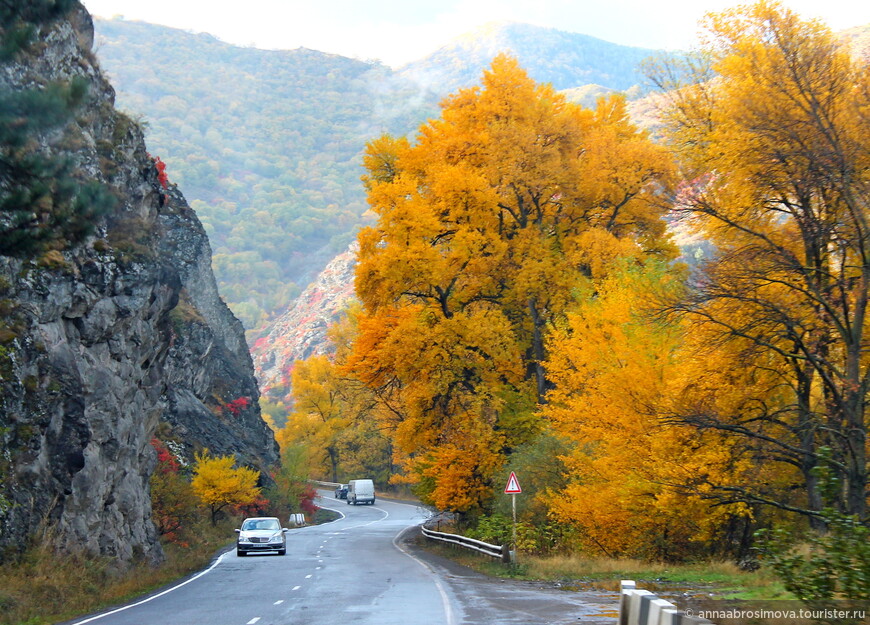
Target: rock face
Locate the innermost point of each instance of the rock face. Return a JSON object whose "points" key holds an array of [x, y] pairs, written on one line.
{"points": [[302, 330], [102, 342]]}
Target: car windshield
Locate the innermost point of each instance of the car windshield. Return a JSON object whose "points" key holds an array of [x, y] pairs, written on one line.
{"points": [[261, 524]]}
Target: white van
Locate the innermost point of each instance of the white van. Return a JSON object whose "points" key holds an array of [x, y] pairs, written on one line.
{"points": [[360, 491]]}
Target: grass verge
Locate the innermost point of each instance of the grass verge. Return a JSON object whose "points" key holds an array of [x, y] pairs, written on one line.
{"points": [[47, 587], [713, 578]]}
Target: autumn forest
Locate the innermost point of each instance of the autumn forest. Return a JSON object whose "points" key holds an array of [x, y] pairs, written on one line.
{"points": [[650, 303], [522, 305]]}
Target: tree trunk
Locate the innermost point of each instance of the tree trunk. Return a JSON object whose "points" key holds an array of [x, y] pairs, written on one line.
{"points": [[538, 352]]}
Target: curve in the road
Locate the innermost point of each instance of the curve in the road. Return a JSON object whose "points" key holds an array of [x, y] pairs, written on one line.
{"points": [[159, 594], [445, 599], [222, 558]]}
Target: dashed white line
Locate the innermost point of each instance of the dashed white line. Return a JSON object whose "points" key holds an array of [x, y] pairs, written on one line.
{"points": [[296, 587], [279, 602], [253, 620], [307, 577]]}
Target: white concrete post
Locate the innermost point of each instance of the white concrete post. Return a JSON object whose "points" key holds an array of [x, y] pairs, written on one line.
{"points": [[656, 607], [636, 600], [624, 586]]}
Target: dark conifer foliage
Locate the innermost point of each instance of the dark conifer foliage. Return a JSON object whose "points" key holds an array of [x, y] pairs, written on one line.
{"points": [[42, 205]]}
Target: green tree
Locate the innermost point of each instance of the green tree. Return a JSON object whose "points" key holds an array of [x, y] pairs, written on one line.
{"points": [[43, 204], [173, 502]]}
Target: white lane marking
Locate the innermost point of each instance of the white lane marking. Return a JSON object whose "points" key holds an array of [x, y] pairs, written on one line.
{"points": [[253, 620], [338, 512], [317, 568], [279, 602], [165, 592], [384, 512], [307, 577], [296, 587], [445, 600]]}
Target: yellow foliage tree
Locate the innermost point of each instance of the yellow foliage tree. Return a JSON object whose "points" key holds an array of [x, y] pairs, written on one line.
{"points": [[334, 415], [219, 485], [317, 418], [639, 481], [773, 131]]}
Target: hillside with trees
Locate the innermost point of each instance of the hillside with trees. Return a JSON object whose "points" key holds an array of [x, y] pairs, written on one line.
{"points": [[268, 144]]}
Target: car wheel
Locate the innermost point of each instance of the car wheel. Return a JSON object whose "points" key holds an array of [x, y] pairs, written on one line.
{"points": [[282, 552]]}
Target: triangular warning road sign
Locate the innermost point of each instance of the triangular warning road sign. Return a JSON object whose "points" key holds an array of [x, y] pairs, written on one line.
{"points": [[513, 485]]}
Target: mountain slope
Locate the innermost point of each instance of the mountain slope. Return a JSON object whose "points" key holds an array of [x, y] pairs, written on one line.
{"points": [[301, 331], [267, 145], [567, 60]]}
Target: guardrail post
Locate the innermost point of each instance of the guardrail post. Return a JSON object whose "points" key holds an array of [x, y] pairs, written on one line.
{"points": [[638, 606], [656, 610], [641, 607], [670, 617], [625, 586], [506, 554]]}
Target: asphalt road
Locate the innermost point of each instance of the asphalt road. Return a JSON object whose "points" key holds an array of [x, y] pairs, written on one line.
{"points": [[361, 569]]}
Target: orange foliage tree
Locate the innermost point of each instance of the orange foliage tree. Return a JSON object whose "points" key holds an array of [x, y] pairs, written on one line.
{"points": [[505, 203]]}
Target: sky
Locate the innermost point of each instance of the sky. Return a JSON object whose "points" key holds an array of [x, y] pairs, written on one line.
{"points": [[400, 31]]}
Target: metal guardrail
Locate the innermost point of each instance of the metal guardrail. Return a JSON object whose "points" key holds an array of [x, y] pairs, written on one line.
{"points": [[495, 551], [330, 484]]}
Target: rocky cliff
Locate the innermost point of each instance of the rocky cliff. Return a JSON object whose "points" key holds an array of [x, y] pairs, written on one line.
{"points": [[301, 331], [104, 339]]}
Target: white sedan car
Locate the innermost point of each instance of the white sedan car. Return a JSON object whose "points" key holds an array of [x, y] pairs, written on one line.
{"points": [[261, 534]]}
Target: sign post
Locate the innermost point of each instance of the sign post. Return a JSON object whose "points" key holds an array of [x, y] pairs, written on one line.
{"points": [[512, 488]]}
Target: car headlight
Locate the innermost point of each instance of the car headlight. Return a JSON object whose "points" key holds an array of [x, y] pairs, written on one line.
{"points": [[244, 538], [276, 538]]}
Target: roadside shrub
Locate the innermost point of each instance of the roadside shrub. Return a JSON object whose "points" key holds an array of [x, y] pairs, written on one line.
{"points": [[836, 567]]}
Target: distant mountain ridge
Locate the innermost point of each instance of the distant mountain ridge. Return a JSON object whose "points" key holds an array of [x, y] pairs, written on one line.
{"points": [[564, 59]]}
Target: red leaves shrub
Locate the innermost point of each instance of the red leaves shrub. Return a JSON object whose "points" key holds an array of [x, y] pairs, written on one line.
{"points": [[162, 178], [306, 501], [173, 504], [166, 462], [258, 507], [237, 405]]}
